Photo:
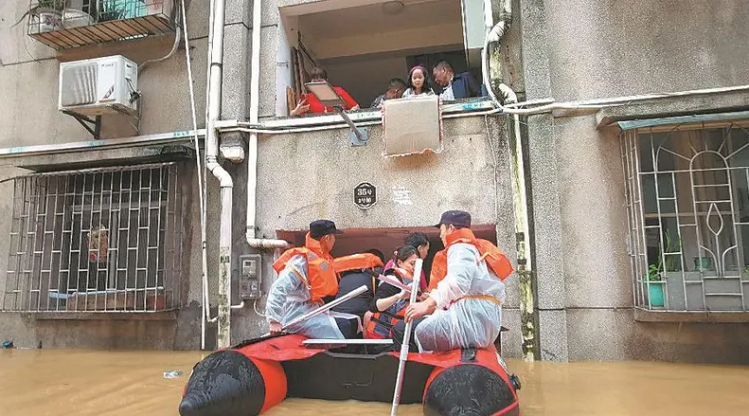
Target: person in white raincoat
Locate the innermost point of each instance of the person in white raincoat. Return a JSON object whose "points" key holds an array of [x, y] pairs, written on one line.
{"points": [[465, 309], [305, 278]]}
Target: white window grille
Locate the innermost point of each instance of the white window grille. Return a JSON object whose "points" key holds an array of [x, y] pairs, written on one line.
{"points": [[96, 240], [687, 194]]}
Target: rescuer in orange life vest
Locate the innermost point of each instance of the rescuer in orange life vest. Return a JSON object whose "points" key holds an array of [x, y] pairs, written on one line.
{"points": [[465, 307], [355, 271], [305, 277]]}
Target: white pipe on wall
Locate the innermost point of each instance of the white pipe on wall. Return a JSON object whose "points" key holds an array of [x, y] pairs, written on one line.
{"points": [[251, 234], [205, 315], [215, 78]]}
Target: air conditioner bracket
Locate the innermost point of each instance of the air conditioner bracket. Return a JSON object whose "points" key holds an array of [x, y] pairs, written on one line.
{"points": [[92, 125]]}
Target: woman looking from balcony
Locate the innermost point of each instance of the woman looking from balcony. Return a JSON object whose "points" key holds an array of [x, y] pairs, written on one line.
{"points": [[310, 104]]}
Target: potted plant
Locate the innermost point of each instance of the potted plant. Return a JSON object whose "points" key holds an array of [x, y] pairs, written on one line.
{"points": [[654, 282], [112, 10], [48, 14]]}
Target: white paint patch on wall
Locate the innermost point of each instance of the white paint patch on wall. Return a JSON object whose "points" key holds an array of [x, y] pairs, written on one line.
{"points": [[402, 195]]}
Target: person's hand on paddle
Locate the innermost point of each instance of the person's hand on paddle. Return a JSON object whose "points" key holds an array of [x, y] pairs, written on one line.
{"points": [[404, 295], [420, 309], [423, 296], [275, 328]]}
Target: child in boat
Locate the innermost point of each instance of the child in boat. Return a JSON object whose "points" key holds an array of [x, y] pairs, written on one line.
{"points": [[421, 242], [465, 308], [390, 302], [305, 278]]}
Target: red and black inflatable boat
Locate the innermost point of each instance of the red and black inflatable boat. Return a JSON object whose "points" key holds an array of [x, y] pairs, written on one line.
{"points": [[255, 375]]}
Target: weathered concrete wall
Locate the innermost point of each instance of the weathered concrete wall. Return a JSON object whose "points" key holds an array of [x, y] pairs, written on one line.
{"points": [[292, 191], [616, 48], [584, 49], [29, 116]]}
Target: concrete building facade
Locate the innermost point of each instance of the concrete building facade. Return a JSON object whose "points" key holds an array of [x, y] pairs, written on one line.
{"points": [[589, 230]]}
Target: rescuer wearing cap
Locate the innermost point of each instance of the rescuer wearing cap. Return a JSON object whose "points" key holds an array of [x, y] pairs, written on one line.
{"points": [[305, 276], [465, 308]]}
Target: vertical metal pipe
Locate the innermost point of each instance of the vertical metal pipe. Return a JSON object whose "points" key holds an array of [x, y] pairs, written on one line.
{"points": [[215, 77]]}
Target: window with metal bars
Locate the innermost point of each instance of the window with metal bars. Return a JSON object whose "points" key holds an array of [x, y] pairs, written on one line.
{"points": [[96, 240], [687, 190]]}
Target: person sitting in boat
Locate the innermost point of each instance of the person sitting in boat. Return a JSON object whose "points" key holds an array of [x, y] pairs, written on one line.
{"points": [[465, 308], [389, 303], [421, 242], [305, 277], [355, 271]]}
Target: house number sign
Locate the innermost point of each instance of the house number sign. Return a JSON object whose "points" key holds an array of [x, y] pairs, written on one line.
{"points": [[365, 195]]}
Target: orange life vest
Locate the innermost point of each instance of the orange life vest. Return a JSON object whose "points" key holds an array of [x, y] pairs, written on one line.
{"points": [[321, 278], [382, 322], [495, 259], [439, 269], [358, 262]]}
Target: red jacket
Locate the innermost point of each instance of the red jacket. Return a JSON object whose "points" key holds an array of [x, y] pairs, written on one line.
{"points": [[316, 107]]}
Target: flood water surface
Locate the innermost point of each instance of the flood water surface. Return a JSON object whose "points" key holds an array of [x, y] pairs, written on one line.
{"points": [[99, 383]]}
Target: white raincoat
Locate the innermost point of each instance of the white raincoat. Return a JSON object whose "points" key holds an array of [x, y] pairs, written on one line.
{"points": [[467, 322], [289, 298]]}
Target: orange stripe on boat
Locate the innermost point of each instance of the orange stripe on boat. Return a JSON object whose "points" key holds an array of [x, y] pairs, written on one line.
{"points": [[275, 382]]}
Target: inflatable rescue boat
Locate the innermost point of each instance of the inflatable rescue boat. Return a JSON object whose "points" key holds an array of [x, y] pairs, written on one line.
{"points": [[254, 376]]}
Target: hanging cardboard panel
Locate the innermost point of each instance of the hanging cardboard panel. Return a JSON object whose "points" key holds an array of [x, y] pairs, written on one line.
{"points": [[412, 126]]}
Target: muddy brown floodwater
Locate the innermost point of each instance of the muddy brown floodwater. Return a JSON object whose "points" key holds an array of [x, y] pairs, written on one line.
{"points": [[108, 383]]}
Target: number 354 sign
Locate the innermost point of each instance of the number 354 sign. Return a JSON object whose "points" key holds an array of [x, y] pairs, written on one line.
{"points": [[365, 195]]}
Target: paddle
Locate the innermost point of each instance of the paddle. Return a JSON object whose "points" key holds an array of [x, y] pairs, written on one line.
{"points": [[406, 342], [324, 308]]}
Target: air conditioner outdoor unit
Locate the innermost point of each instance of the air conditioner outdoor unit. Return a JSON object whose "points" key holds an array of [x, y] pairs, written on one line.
{"points": [[99, 86]]}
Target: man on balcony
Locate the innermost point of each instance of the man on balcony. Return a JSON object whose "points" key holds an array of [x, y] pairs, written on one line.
{"points": [[464, 85]]}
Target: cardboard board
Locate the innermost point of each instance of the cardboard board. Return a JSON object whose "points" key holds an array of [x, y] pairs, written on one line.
{"points": [[412, 126]]}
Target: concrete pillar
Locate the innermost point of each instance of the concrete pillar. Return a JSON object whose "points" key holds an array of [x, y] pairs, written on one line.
{"points": [[542, 160]]}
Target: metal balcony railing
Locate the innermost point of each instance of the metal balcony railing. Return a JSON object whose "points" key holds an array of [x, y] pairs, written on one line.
{"points": [[67, 24]]}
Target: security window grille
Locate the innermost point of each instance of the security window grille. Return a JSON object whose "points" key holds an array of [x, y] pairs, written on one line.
{"points": [[96, 240], [688, 203]]}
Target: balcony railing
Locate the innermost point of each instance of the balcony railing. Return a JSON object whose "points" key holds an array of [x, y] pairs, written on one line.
{"points": [[67, 24]]}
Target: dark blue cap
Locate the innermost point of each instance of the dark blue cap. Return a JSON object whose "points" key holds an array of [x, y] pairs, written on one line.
{"points": [[321, 228], [456, 218]]}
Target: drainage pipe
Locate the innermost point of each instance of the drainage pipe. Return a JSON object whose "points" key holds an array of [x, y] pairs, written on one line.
{"points": [[251, 232], [494, 34], [215, 78]]}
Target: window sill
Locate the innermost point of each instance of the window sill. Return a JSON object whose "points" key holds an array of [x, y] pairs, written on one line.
{"points": [[104, 316], [642, 315]]}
